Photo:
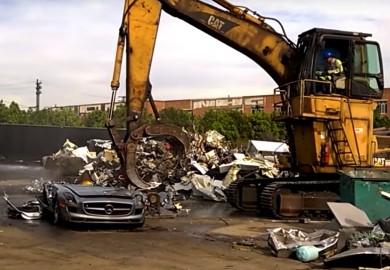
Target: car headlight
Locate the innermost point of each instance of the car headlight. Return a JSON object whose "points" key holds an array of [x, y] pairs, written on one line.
{"points": [[69, 197], [139, 201]]}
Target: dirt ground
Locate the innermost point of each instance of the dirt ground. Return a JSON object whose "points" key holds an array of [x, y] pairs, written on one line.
{"points": [[160, 245], [206, 238], [180, 243]]}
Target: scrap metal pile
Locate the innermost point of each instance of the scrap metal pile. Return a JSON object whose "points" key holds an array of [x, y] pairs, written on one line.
{"points": [[207, 169], [349, 240]]}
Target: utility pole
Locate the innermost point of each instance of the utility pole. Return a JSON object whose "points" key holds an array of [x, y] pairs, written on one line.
{"points": [[38, 92]]}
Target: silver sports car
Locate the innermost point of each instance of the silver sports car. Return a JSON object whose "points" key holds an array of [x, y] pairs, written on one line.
{"points": [[93, 204]]}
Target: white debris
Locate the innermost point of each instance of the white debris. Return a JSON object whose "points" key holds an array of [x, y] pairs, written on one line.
{"points": [[66, 148], [244, 164], [202, 168], [231, 176], [206, 187], [36, 185], [266, 148], [83, 153]]}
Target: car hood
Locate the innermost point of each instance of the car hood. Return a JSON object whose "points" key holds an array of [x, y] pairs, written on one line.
{"points": [[98, 191]]}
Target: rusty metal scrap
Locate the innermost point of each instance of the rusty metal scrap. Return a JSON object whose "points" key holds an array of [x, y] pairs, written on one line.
{"points": [[156, 161], [210, 158]]}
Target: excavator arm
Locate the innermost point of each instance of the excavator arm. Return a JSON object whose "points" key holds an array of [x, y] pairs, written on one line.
{"points": [[137, 37], [240, 28]]}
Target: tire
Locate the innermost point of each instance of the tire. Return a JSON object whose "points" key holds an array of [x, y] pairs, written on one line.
{"points": [[57, 216]]}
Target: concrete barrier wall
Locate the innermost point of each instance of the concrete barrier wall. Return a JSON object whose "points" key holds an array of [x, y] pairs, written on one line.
{"points": [[31, 143]]}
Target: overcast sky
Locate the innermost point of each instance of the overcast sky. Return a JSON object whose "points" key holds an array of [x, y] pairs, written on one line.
{"points": [[70, 45]]}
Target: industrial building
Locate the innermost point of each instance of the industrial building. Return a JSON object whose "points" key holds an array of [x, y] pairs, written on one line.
{"points": [[245, 104]]}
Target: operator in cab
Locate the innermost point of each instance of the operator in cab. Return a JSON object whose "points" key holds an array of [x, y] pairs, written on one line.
{"points": [[333, 71]]}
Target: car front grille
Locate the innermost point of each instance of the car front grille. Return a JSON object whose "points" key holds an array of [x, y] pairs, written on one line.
{"points": [[107, 209]]}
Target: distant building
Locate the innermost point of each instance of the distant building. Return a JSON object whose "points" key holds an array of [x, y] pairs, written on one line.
{"points": [[383, 104], [245, 104]]}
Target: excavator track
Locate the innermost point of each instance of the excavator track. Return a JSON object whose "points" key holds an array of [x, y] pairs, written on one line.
{"points": [[284, 198]]}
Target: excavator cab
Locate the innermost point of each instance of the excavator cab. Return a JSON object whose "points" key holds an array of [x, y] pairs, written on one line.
{"points": [[335, 116], [362, 75]]}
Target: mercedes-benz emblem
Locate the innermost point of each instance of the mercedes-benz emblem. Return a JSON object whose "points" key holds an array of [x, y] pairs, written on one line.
{"points": [[108, 209]]}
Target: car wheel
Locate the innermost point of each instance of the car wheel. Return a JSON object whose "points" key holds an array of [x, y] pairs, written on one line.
{"points": [[57, 217]]}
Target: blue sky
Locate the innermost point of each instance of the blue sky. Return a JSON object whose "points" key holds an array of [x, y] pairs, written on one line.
{"points": [[70, 47]]}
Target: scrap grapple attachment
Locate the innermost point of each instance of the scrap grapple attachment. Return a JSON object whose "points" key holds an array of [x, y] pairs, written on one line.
{"points": [[173, 139]]}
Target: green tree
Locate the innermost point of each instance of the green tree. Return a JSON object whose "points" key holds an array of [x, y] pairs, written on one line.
{"points": [[146, 117], [120, 115], [280, 127], [15, 115], [230, 123], [41, 117], [176, 117], [96, 118], [263, 127], [66, 117], [381, 121], [3, 112]]}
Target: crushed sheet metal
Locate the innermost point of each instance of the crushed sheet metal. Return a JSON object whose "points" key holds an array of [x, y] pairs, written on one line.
{"points": [[214, 139], [232, 175], [202, 168], [95, 144], [208, 188], [256, 147], [24, 214], [36, 185], [210, 155], [375, 255], [84, 154], [349, 216], [370, 238], [283, 242], [252, 164], [66, 148]]}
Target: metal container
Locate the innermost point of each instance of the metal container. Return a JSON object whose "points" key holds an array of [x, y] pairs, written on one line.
{"points": [[362, 188]]}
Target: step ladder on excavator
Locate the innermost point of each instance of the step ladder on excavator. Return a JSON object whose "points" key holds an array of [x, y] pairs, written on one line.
{"points": [[340, 143]]}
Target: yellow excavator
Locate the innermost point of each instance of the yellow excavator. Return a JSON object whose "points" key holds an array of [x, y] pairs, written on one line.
{"points": [[329, 123]]}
